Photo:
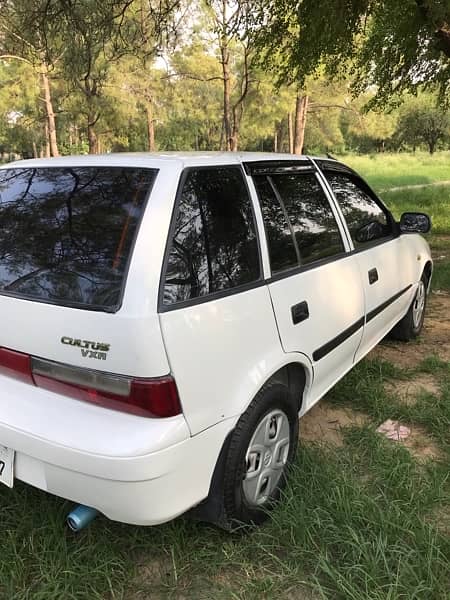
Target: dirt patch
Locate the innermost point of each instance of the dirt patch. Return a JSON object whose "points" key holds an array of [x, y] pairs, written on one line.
{"points": [[434, 340], [323, 423], [420, 444], [150, 579], [408, 391]]}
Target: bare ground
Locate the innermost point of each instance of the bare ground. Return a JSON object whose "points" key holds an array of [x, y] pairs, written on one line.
{"points": [[324, 422], [434, 341]]}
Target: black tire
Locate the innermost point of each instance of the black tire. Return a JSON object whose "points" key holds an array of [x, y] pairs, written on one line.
{"points": [[411, 325], [273, 412]]}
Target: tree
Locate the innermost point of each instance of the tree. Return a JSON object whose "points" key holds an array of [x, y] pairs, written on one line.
{"points": [[230, 21], [395, 45], [97, 34], [423, 122], [21, 116], [26, 36]]}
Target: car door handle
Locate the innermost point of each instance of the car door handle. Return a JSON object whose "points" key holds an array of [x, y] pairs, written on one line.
{"points": [[299, 312], [373, 276]]}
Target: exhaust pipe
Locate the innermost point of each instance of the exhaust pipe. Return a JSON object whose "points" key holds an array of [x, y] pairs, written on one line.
{"points": [[81, 516]]}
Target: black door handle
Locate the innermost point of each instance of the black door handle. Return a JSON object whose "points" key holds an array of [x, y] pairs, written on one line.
{"points": [[373, 276], [299, 312]]}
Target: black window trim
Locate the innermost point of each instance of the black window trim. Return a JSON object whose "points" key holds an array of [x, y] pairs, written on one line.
{"points": [[163, 308], [277, 166], [295, 270], [93, 307]]}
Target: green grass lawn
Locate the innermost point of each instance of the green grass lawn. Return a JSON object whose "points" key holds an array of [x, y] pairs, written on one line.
{"points": [[365, 520], [386, 170]]}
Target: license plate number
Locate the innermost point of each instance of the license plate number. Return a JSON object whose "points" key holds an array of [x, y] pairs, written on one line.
{"points": [[6, 466]]}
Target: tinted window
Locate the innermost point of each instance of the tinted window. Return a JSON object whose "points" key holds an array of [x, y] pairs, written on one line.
{"points": [[66, 233], [365, 219], [300, 224], [282, 250], [214, 245]]}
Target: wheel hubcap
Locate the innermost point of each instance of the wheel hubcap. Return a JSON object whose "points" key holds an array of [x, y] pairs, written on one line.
{"points": [[419, 305], [266, 457]]}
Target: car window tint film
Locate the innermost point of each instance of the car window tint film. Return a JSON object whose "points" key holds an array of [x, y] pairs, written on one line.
{"points": [[282, 250], [67, 233], [307, 214], [214, 245], [365, 219]]}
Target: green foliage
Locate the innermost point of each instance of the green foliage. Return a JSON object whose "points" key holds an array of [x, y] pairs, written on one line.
{"points": [[108, 87], [422, 121], [20, 117], [393, 45]]}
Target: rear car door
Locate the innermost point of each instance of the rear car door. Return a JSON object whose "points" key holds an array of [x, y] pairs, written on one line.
{"points": [[383, 258], [215, 309], [315, 283]]}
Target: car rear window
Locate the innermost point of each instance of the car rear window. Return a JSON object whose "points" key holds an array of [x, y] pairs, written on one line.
{"points": [[66, 234]]}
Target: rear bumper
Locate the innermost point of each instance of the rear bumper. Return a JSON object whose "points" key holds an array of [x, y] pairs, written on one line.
{"points": [[132, 469]]}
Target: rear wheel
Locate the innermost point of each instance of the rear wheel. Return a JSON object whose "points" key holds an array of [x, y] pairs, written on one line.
{"points": [[261, 450], [411, 324]]}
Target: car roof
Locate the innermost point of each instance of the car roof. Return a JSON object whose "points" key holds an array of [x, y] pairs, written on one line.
{"points": [[156, 159]]}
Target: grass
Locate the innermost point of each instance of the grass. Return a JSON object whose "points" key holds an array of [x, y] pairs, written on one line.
{"points": [[356, 522], [384, 171], [363, 389], [365, 520]]}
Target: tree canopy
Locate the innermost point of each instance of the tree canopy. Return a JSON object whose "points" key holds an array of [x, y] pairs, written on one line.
{"points": [[283, 75], [392, 45]]}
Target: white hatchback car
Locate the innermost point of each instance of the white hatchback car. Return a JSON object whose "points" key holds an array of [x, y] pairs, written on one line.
{"points": [[166, 319]]}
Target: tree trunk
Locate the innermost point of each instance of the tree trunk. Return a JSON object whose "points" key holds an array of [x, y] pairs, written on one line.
{"points": [[150, 126], [301, 109], [290, 134], [225, 61], [238, 111], [92, 119], [226, 92], [431, 146], [49, 112], [92, 138], [47, 140], [275, 139]]}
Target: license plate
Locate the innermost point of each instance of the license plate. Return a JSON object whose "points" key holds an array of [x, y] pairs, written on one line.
{"points": [[6, 466]]}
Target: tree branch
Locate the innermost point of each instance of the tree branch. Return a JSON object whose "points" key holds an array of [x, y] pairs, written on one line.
{"points": [[15, 57]]}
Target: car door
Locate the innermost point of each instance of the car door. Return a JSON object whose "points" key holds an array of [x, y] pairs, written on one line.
{"points": [[315, 283], [383, 258], [215, 310]]}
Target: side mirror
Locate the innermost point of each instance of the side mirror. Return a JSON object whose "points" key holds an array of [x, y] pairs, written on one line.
{"points": [[415, 223]]}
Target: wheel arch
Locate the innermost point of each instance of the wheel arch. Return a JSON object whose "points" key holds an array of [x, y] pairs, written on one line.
{"points": [[428, 272], [297, 374]]}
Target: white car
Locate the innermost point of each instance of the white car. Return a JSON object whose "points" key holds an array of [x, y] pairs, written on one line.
{"points": [[166, 318]]}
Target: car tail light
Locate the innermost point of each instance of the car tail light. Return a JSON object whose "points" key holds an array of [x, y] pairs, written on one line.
{"points": [[16, 365], [156, 397]]}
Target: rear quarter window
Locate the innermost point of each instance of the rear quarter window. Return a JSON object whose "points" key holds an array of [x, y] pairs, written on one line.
{"points": [[66, 234]]}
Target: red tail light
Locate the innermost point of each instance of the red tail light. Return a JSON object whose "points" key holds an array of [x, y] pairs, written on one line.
{"points": [[16, 365], [157, 397]]}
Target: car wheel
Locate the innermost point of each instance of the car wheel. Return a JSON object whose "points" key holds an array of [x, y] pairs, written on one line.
{"points": [[411, 324], [261, 450]]}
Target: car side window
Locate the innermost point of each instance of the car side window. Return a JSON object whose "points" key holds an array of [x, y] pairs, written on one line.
{"points": [[300, 224], [214, 245], [366, 220]]}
